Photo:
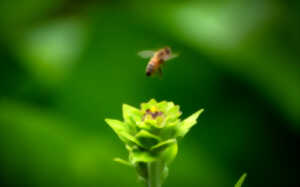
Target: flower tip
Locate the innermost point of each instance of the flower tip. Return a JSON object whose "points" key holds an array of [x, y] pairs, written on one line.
{"points": [[201, 110], [124, 105], [152, 101], [198, 113]]}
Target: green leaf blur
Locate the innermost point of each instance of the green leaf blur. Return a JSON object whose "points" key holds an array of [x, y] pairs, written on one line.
{"points": [[241, 180]]}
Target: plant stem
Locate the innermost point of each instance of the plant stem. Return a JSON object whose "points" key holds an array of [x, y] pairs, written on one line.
{"points": [[154, 174]]}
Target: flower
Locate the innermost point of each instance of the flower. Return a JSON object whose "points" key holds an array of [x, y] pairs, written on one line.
{"points": [[150, 133]]}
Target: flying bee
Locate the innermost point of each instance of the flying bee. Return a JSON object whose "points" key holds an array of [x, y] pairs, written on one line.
{"points": [[158, 58]]}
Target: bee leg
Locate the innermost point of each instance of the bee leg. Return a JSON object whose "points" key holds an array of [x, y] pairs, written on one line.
{"points": [[160, 72]]}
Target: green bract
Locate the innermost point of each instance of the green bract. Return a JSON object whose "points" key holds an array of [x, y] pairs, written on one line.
{"points": [[150, 133]]}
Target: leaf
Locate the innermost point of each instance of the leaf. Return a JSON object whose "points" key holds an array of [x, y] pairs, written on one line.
{"points": [[143, 125], [169, 154], [169, 131], [129, 139], [142, 156], [117, 126], [147, 139], [122, 131], [163, 145], [132, 124], [124, 162], [241, 180], [131, 114], [188, 123]]}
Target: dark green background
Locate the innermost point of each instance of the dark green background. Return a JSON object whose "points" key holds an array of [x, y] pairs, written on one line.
{"points": [[66, 65]]}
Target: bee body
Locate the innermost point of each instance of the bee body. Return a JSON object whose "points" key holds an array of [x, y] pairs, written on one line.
{"points": [[157, 59], [153, 65]]}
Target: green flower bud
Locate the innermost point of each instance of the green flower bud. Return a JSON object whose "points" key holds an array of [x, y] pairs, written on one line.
{"points": [[150, 133]]}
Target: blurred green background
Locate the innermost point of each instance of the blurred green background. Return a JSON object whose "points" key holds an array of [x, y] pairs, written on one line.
{"points": [[66, 65]]}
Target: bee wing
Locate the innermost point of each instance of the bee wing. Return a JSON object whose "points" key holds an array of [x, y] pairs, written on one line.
{"points": [[146, 54], [173, 55]]}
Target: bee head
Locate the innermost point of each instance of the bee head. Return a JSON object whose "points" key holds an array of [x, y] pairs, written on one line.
{"points": [[148, 73], [168, 50]]}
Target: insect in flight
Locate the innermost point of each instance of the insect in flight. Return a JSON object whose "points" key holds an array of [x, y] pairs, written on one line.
{"points": [[158, 58]]}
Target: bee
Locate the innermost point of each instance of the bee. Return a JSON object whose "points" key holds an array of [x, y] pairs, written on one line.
{"points": [[157, 59]]}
